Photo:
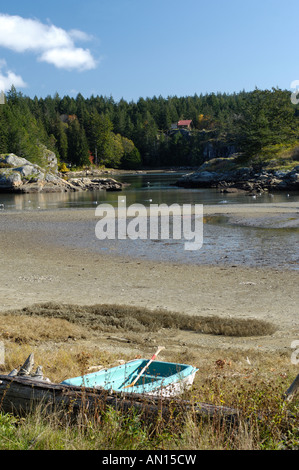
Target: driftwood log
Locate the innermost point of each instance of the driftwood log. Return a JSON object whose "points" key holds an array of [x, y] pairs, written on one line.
{"points": [[26, 370], [21, 395], [27, 367], [22, 391]]}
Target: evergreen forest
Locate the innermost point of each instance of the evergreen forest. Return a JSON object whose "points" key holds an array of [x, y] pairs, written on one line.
{"points": [[131, 135]]}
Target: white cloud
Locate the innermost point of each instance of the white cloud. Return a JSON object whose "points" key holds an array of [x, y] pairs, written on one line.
{"points": [[52, 44], [9, 78], [80, 35], [68, 58]]}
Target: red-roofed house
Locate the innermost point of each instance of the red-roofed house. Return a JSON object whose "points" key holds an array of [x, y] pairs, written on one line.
{"points": [[185, 124]]}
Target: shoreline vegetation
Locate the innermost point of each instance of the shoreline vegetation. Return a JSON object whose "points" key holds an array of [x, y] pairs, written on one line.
{"points": [[254, 131]]}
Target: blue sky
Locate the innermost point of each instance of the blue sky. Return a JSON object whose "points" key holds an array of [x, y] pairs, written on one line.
{"points": [[137, 48]]}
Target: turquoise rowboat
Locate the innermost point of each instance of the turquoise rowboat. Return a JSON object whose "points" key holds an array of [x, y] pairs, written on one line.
{"points": [[158, 379]]}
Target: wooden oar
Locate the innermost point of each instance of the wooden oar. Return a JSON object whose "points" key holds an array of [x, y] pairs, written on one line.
{"points": [[160, 348]]}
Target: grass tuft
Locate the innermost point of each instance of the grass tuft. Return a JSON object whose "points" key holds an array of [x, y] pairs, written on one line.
{"points": [[136, 319]]}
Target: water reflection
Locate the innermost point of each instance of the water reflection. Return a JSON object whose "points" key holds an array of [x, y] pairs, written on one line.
{"points": [[146, 189], [224, 242]]}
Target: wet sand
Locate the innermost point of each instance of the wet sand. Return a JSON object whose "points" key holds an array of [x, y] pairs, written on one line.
{"points": [[36, 267]]}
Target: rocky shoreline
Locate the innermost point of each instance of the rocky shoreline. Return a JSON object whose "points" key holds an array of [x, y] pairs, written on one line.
{"points": [[242, 179], [18, 175]]}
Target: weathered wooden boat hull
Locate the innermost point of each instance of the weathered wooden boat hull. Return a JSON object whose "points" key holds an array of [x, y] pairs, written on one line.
{"points": [[22, 395]]}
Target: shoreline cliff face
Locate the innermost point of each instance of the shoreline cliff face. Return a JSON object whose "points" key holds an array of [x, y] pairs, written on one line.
{"points": [[18, 175]]}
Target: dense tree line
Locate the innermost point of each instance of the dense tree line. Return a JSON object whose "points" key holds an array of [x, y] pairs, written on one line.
{"points": [[134, 134]]}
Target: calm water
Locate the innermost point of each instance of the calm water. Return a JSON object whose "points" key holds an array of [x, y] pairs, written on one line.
{"points": [[146, 189], [224, 243]]}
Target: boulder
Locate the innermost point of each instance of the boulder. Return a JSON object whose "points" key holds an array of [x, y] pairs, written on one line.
{"points": [[10, 180], [49, 158], [28, 170], [88, 184], [24, 176], [12, 160]]}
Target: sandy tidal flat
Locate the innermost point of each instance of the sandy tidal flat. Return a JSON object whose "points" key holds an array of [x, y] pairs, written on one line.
{"points": [[38, 265]]}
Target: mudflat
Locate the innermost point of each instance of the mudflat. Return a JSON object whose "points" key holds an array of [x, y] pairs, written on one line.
{"points": [[39, 265]]}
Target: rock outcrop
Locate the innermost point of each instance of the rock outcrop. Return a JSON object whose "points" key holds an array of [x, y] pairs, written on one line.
{"points": [[19, 175], [50, 158], [92, 184], [242, 179]]}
